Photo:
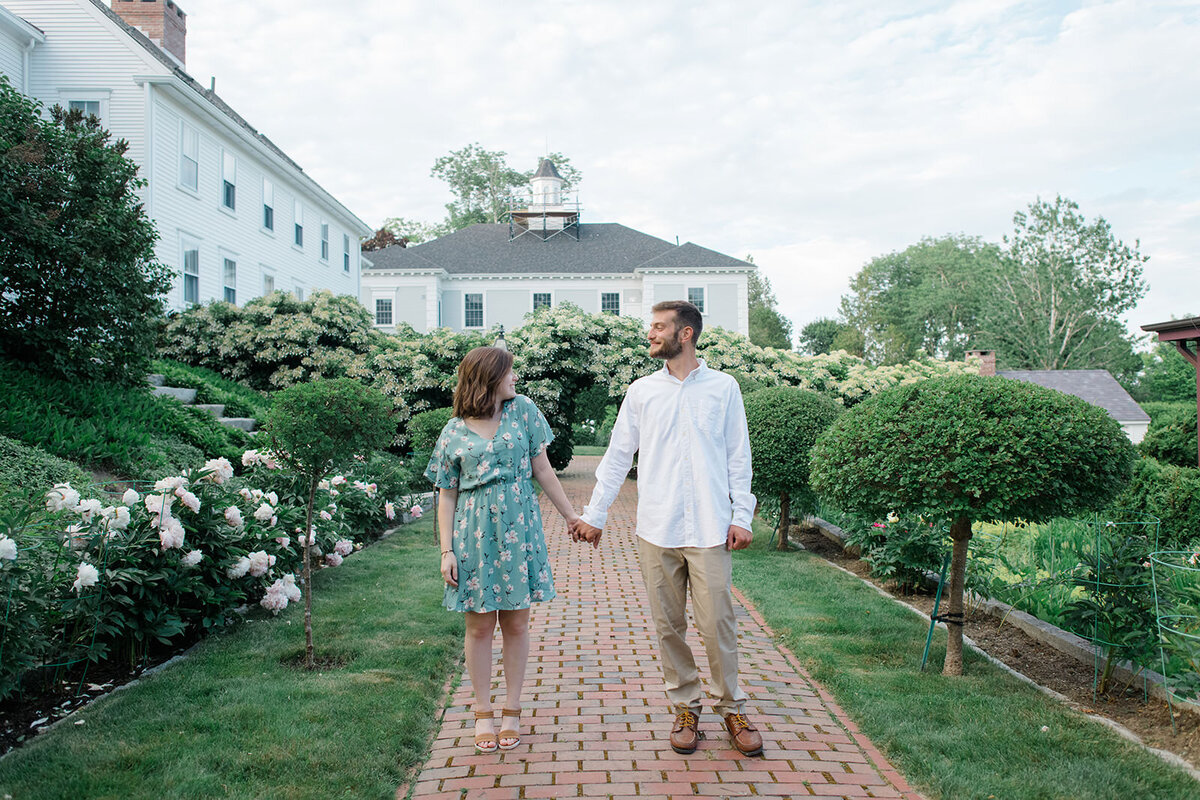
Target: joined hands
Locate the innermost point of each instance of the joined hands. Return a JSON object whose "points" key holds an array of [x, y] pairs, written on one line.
{"points": [[580, 531]]}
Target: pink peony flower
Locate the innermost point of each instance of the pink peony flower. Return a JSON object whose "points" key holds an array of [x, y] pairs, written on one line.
{"points": [[333, 559], [344, 547], [416, 512], [274, 601], [389, 509]]}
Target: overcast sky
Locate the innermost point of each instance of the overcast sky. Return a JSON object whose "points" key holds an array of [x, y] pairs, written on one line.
{"points": [[813, 135]]}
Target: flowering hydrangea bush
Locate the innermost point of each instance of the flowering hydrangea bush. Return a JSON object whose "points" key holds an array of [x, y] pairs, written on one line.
{"points": [[174, 559]]}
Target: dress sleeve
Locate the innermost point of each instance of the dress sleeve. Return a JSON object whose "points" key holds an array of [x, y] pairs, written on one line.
{"points": [[538, 429], [443, 469]]}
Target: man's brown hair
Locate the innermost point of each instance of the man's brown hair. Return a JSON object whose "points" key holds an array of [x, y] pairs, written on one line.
{"points": [[479, 377], [686, 315]]}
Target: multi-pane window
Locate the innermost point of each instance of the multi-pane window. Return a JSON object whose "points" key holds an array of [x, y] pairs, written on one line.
{"points": [[268, 205], [268, 282], [90, 108], [299, 292], [230, 281], [473, 310], [229, 180], [383, 311], [345, 252], [191, 272], [541, 300], [324, 241], [696, 297], [610, 303], [298, 237], [189, 157]]}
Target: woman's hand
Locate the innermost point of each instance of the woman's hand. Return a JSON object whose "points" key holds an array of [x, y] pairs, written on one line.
{"points": [[450, 568]]}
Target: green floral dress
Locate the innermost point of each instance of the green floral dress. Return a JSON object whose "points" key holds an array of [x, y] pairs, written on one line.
{"points": [[498, 539]]}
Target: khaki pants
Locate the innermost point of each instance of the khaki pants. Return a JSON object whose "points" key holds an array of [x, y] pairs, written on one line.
{"points": [[668, 573]]}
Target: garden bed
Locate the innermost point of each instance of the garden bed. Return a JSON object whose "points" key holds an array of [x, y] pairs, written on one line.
{"points": [[1048, 667]]}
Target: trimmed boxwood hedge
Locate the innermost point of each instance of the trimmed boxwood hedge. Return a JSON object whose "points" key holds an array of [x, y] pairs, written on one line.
{"points": [[29, 469]]}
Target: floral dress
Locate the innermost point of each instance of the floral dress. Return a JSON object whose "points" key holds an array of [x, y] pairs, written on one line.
{"points": [[498, 539]]}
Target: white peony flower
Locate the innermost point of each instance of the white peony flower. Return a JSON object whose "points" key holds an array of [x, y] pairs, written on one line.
{"points": [[260, 562], [344, 547], [246, 493], [337, 480], [89, 508], [233, 517], [159, 503], [272, 498], [274, 601], [170, 532], [283, 541], [325, 515], [190, 500], [239, 569], [250, 458], [130, 497], [264, 513], [217, 470], [170, 484], [87, 575], [389, 509], [8, 549], [333, 559], [290, 589], [118, 520], [62, 496]]}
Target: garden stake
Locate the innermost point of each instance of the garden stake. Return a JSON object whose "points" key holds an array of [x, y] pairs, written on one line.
{"points": [[937, 601]]}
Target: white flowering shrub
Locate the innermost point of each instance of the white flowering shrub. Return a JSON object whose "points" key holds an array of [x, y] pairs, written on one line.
{"points": [[92, 574]]}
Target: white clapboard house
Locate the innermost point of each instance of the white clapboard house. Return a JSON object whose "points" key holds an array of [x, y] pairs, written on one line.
{"points": [[494, 274], [236, 217]]}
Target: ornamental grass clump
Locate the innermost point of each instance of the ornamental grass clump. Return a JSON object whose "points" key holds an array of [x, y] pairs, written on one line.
{"points": [[966, 449], [784, 423], [314, 428]]}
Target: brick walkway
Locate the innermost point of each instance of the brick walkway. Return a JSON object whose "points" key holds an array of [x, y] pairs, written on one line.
{"points": [[596, 721]]}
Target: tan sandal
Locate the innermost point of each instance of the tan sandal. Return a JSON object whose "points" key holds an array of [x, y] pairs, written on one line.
{"points": [[486, 743], [509, 733]]}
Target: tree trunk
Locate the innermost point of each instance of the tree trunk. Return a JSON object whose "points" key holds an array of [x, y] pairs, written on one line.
{"points": [[785, 510], [309, 661], [960, 534]]}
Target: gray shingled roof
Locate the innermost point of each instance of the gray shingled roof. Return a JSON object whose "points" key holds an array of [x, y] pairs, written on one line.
{"points": [[1096, 386], [602, 248], [546, 169]]}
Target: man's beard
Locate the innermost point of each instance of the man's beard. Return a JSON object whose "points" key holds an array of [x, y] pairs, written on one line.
{"points": [[668, 348]]}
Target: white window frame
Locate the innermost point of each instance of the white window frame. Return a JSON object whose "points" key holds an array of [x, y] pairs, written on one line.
{"points": [[298, 291], [228, 291], [86, 95], [268, 204], [534, 296], [298, 224], [391, 312], [703, 298], [616, 313], [266, 274], [188, 243], [325, 241], [228, 180], [345, 252], [187, 131], [482, 311]]}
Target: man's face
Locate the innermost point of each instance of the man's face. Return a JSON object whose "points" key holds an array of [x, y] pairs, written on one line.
{"points": [[664, 335]]}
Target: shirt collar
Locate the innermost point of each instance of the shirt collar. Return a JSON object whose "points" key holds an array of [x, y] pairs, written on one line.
{"points": [[695, 374]]}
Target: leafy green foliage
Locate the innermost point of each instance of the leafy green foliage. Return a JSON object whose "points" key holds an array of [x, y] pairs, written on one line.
{"points": [[784, 423], [1167, 493], [1172, 434], [1165, 376], [211, 387], [768, 328], [24, 468], [818, 336], [482, 181], [80, 290], [924, 300], [899, 549], [423, 431], [128, 430]]}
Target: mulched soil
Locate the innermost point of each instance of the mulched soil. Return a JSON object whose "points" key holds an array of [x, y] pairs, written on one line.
{"points": [[1150, 720]]}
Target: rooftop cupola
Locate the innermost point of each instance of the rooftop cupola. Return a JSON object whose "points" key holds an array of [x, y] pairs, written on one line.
{"points": [[545, 210], [546, 185]]}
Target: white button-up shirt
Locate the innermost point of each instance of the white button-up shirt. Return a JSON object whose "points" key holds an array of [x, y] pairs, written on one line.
{"points": [[693, 463]]}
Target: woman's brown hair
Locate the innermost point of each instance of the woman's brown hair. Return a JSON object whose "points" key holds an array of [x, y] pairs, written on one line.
{"points": [[479, 377]]}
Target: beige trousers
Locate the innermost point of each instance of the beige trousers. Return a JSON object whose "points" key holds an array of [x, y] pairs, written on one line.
{"points": [[668, 573]]}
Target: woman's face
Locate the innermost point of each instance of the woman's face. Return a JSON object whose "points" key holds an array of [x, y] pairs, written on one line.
{"points": [[508, 386]]}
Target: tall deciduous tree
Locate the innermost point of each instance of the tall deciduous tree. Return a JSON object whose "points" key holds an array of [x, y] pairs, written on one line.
{"points": [[80, 289], [968, 449], [921, 301], [1055, 300], [482, 181], [818, 336], [1165, 375], [768, 328]]}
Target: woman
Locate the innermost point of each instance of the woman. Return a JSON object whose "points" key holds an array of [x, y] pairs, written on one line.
{"points": [[494, 557]]}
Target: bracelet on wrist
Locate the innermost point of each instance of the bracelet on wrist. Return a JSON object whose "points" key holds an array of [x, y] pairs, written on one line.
{"points": [[447, 551]]}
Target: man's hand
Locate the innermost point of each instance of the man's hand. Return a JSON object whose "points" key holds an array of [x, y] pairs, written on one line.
{"points": [[589, 533], [738, 539]]}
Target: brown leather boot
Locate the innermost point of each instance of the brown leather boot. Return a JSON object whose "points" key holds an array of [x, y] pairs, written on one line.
{"points": [[684, 734], [744, 736]]}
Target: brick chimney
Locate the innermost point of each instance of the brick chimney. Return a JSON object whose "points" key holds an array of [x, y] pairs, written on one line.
{"points": [[163, 23], [987, 361]]}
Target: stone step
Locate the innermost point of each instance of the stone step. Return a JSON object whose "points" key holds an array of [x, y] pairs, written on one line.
{"points": [[185, 396], [216, 409], [245, 423], [156, 380]]}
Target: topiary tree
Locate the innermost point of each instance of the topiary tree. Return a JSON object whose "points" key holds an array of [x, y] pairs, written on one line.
{"points": [[968, 449], [80, 289], [784, 424], [316, 427]]}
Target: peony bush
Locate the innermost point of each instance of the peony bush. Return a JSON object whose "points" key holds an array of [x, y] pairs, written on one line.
{"points": [[96, 575]]}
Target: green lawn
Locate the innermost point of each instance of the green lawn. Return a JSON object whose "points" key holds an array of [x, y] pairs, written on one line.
{"points": [[232, 721], [977, 736]]}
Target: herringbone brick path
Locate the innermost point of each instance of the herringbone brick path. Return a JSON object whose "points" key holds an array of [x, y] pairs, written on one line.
{"points": [[596, 720]]}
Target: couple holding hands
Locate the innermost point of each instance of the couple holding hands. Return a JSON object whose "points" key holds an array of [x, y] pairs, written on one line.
{"points": [[687, 426]]}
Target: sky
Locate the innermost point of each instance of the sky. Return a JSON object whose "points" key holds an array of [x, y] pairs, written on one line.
{"points": [[813, 136]]}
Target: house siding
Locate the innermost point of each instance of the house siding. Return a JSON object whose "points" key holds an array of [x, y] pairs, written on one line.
{"points": [[12, 59]]}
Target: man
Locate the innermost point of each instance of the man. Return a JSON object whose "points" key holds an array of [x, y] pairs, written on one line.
{"points": [[687, 425]]}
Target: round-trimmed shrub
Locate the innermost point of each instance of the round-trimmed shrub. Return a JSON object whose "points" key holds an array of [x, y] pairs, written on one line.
{"points": [[784, 424], [969, 448]]}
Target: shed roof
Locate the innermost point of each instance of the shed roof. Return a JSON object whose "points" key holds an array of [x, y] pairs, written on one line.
{"points": [[1097, 386], [602, 248]]}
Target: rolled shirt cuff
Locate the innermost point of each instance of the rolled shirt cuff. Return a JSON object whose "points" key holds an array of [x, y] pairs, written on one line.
{"points": [[596, 519]]}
